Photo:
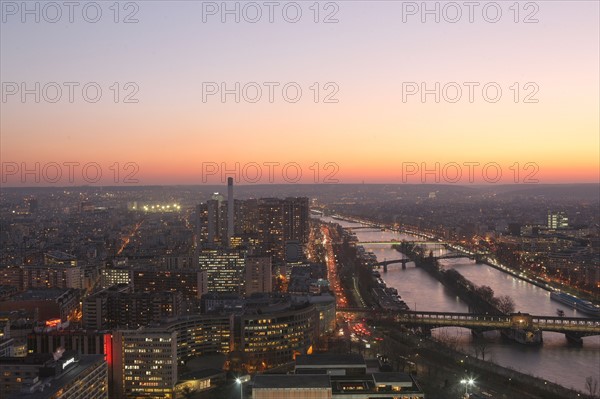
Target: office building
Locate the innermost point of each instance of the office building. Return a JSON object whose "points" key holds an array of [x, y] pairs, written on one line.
{"points": [[230, 205], [296, 214], [190, 283], [114, 276], [259, 276], [557, 220], [201, 334], [114, 307], [274, 334], [144, 364], [224, 269]]}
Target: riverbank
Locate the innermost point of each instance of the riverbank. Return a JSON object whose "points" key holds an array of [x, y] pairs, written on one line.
{"points": [[547, 286], [442, 368]]}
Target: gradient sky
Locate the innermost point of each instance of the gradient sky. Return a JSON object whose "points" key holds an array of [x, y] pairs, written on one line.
{"points": [[369, 53]]}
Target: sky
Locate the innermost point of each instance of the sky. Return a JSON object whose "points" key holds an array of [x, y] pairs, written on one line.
{"points": [[172, 92]]}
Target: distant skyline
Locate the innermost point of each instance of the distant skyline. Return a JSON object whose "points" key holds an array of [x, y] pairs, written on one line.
{"points": [[368, 55]]}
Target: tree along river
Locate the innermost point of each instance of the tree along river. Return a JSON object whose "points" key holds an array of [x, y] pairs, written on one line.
{"points": [[555, 360]]}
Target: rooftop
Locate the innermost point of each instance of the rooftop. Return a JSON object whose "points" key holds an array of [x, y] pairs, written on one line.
{"points": [[53, 385], [291, 381], [44, 294], [392, 378], [330, 359]]}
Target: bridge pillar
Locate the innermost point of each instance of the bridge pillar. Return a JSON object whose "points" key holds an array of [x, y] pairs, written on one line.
{"points": [[385, 267], [477, 333], [404, 265], [574, 339]]}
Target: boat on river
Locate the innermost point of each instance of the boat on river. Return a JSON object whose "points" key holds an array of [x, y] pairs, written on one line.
{"points": [[576, 303]]}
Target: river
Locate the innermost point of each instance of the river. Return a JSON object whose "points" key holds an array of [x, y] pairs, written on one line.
{"points": [[555, 360]]}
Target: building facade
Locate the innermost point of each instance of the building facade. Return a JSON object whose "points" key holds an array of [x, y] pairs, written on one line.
{"points": [[144, 364]]}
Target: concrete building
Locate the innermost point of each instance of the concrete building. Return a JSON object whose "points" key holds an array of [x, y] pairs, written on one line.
{"points": [[273, 335], [224, 269], [54, 376], [259, 275], [144, 364], [267, 386], [114, 307], [114, 276], [341, 364], [84, 342], [52, 276], [44, 304], [201, 334], [230, 204], [190, 283], [557, 220], [335, 376]]}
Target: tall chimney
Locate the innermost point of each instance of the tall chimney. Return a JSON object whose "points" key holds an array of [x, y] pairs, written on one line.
{"points": [[229, 209]]}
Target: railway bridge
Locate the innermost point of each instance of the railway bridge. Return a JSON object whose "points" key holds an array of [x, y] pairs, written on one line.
{"points": [[521, 327]]}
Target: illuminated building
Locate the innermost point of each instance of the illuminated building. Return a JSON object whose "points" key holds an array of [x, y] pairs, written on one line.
{"points": [[557, 220], [272, 335], [296, 212], [270, 221], [325, 307], [190, 283], [222, 302], [201, 334], [274, 386], [113, 276], [84, 342], [153, 207], [59, 258], [202, 223], [113, 308], [145, 360], [51, 276], [214, 218], [224, 269], [259, 277], [271, 227], [335, 376], [6, 342], [197, 381], [281, 220], [45, 303], [144, 364], [230, 204], [54, 376]]}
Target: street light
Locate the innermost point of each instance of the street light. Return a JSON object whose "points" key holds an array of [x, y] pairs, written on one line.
{"points": [[240, 380], [467, 382]]}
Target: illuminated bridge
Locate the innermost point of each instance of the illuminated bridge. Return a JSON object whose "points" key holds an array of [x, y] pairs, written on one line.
{"points": [[574, 328], [400, 242], [404, 261]]}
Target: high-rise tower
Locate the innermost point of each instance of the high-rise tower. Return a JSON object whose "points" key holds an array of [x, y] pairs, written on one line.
{"points": [[230, 223]]}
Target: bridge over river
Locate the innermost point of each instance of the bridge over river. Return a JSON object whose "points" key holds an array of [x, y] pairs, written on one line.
{"points": [[404, 261], [521, 327]]}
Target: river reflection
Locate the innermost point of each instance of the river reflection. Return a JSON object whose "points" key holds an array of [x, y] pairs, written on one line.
{"points": [[555, 361]]}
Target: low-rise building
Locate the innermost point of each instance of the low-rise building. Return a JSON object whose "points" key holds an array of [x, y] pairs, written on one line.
{"points": [[54, 376]]}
